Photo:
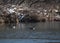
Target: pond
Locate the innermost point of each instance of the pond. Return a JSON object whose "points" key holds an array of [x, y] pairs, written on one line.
{"points": [[42, 31]]}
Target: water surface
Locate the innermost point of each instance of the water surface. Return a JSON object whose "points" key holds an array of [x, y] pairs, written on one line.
{"points": [[43, 31]]}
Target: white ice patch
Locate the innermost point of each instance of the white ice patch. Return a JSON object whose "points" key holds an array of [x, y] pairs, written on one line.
{"points": [[15, 8], [56, 10], [11, 10], [58, 16], [13, 5], [18, 13], [45, 10], [47, 16], [38, 11], [21, 9], [45, 13]]}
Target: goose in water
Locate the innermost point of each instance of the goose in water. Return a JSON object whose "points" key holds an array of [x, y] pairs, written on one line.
{"points": [[32, 28], [14, 27]]}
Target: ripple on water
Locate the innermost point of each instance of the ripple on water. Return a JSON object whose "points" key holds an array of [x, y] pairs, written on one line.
{"points": [[22, 31]]}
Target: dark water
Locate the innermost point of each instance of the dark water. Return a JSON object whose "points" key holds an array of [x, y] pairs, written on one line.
{"points": [[44, 31]]}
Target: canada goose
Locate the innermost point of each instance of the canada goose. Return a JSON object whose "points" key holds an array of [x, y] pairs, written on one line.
{"points": [[14, 27], [32, 28]]}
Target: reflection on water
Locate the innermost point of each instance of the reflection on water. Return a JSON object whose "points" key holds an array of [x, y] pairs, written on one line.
{"points": [[43, 30], [28, 41]]}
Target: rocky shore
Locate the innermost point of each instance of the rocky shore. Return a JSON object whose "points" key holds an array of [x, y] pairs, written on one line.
{"points": [[37, 12]]}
